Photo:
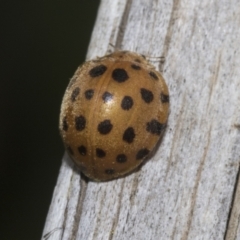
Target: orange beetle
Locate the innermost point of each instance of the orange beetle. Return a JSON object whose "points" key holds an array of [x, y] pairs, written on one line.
{"points": [[113, 113]]}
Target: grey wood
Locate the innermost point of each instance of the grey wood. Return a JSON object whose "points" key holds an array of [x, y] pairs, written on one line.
{"points": [[190, 188]]}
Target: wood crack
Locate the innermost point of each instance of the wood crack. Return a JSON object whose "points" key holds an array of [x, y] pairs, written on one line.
{"points": [[195, 189], [228, 232], [169, 33], [66, 209], [115, 222], [83, 188], [123, 24]]}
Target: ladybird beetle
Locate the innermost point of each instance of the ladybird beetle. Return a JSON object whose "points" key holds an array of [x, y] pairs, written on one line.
{"points": [[113, 113]]}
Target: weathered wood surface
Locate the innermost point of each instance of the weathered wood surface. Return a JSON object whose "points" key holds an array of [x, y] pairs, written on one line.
{"points": [[190, 188]]}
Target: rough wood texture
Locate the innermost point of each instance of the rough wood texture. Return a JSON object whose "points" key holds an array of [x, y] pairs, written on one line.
{"points": [[190, 188]]}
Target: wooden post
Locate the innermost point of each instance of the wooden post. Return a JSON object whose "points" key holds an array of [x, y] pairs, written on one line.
{"points": [[190, 188]]}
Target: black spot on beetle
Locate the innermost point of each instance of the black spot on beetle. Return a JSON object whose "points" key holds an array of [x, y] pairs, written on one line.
{"points": [[107, 97], [127, 103], [164, 98], [135, 67], [142, 153], [121, 158], [97, 71], [89, 94], [82, 150], [153, 75], [75, 93], [105, 127], [80, 123], [155, 127], [147, 95], [129, 135], [100, 153], [120, 75], [65, 124]]}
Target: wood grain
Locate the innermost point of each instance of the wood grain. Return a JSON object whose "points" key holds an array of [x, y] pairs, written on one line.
{"points": [[190, 188]]}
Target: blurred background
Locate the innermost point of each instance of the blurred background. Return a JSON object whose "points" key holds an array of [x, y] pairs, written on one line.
{"points": [[42, 44]]}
